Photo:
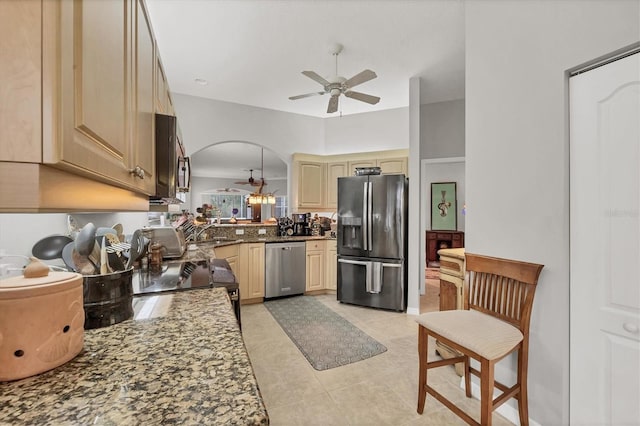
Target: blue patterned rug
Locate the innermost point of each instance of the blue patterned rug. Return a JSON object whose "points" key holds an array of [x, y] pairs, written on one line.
{"points": [[325, 338]]}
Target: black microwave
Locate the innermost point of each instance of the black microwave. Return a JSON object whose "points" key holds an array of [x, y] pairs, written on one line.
{"points": [[172, 165]]}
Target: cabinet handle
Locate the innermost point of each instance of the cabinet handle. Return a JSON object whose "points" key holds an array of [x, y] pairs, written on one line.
{"points": [[138, 172]]}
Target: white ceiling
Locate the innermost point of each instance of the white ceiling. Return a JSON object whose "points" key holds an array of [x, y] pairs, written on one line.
{"points": [[252, 52]]}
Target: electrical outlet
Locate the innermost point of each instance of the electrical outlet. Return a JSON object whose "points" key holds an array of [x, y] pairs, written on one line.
{"points": [[239, 231], [262, 231]]}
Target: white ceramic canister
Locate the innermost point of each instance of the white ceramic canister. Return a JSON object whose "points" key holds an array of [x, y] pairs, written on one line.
{"points": [[41, 323]]}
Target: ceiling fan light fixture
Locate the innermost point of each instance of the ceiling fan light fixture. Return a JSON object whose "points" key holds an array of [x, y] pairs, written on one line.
{"points": [[337, 85]]}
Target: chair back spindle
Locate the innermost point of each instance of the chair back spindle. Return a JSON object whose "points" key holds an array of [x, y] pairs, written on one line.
{"points": [[503, 289]]}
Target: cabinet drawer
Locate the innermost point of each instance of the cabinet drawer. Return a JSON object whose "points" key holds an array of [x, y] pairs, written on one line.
{"points": [[444, 236]]}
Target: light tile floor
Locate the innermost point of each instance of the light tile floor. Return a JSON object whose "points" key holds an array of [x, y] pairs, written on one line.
{"points": [[378, 391]]}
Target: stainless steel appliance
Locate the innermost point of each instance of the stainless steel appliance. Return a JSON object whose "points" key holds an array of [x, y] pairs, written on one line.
{"points": [[172, 165], [182, 275], [371, 239], [301, 224], [285, 274]]}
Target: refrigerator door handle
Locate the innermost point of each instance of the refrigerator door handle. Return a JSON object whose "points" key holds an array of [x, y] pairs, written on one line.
{"points": [[369, 215], [353, 262], [365, 218]]}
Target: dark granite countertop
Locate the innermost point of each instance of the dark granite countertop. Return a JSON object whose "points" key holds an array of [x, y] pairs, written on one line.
{"points": [[185, 363]]}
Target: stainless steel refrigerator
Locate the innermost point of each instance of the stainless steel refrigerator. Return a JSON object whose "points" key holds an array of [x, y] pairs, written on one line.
{"points": [[371, 239]]}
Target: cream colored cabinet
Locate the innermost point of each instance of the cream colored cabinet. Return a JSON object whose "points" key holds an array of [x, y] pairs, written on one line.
{"points": [[331, 267], [162, 89], [143, 145], [311, 184], [78, 103], [96, 92], [393, 166], [231, 255], [315, 265], [251, 272], [21, 81], [314, 177], [334, 171]]}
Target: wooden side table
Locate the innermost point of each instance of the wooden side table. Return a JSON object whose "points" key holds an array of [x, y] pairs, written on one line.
{"points": [[452, 270], [438, 240]]}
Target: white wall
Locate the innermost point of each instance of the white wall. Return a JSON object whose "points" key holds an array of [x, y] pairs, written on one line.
{"points": [[204, 122], [20, 231], [517, 154], [373, 131], [442, 129]]}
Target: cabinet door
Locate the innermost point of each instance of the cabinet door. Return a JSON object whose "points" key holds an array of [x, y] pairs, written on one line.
{"points": [[143, 155], [255, 266], [20, 81], [311, 184], [315, 267], [162, 89], [331, 269], [360, 163], [95, 76], [334, 171], [393, 166]]}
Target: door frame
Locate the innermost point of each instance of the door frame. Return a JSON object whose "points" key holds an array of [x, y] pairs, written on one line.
{"points": [[425, 204]]}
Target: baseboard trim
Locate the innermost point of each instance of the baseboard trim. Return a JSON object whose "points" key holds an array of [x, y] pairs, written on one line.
{"points": [[507, 411], [413, 311]]}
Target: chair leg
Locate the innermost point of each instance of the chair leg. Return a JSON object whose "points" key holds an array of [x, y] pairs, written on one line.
{"points": [[486, 392], [423, 345], [523, 406], [467, 377]]}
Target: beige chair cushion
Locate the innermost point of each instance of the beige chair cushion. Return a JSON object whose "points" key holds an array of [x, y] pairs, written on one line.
{"points": [[485, 335]]}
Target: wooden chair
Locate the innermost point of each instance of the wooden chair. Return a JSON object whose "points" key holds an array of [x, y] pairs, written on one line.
{"points": [[498, 297]]}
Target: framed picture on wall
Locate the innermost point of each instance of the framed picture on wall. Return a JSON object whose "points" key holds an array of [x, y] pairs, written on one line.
{"points": [[444, 206]]}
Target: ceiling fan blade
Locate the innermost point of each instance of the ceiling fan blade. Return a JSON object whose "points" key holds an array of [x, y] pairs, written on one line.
{"points": [[360, 78], [306, 95], [313, 76], [362, 97], [333, 104]]}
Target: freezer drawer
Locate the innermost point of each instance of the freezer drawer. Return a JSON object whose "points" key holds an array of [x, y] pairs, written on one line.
{"points": [[374, 283], [285, 269]]}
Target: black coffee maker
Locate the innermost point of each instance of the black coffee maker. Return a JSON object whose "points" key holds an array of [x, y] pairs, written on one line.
{"points": [[301, 223]]}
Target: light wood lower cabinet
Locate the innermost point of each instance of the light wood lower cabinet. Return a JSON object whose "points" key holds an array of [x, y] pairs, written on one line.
{"points": [[315, 266], [331, 268], [231, 255], [251, 272]]}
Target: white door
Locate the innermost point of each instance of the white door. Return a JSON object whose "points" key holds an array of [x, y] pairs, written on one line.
{"points": [[605, 244]]}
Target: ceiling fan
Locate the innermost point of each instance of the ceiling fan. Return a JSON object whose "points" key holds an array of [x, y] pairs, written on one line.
{"points": [[252, 181], [337, 85]]}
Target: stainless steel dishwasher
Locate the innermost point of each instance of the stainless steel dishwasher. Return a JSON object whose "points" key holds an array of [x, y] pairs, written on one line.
{"points": [[285, 269]]}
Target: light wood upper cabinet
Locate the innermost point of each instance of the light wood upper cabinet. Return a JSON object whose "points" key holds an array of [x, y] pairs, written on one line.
{"points": [[78, 87], [331, 268], [144, 151], [95, 88], [334, 171], [311, 184], [314, 177], [393, 166], [162, 89], [315, 265], [20, 81]]}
